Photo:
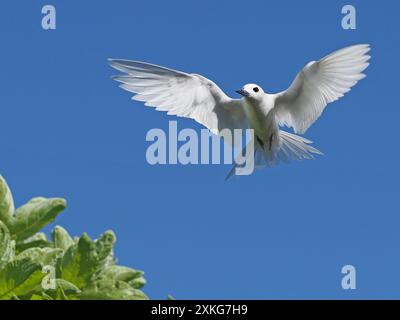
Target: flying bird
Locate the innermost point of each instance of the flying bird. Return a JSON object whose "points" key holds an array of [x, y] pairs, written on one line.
{"points": [[194, 96]]}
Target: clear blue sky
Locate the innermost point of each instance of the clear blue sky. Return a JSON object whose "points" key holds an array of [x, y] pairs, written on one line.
{"points": [[67, 130]]}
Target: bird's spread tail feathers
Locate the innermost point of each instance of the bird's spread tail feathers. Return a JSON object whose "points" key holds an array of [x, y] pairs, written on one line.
{"points": [[294, 147], [289, 147]]}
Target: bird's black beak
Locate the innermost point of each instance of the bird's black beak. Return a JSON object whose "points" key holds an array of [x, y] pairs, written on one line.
{"points": [[242, 92]]}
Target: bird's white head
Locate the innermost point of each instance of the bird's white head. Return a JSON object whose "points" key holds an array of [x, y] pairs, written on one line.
{"points": [[252, 91]]}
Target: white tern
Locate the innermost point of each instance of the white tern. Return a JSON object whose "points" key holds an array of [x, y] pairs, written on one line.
{"points": [[196, 97]]}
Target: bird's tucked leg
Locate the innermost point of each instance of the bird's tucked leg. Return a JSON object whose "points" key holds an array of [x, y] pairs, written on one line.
{"points": [[271, 138], [260, 142]]}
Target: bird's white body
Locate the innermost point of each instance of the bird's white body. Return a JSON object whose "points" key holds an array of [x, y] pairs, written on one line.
{"points": [[261, 119], [194, 96]]}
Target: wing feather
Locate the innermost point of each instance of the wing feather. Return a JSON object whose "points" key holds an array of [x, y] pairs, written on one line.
{"points": [[319, 83], [181, 94]]}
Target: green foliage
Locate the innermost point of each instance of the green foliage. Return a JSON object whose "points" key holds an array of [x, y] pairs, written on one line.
{"points": [[34, 267]]}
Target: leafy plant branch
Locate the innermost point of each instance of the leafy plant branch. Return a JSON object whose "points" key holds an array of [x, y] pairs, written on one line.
{"points": [[37, 268]]}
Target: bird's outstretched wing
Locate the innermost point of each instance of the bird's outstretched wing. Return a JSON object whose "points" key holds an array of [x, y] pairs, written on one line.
{"points": [[319, 83], [181, 94]]}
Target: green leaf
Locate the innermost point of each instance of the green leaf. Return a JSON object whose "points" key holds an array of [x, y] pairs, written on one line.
{"points": [[86, 258], [43, 256], [37, 240], [110, 290], [6, 203], [34, 215], [64, 290], [7, 246], [67, 287], [120, 273], [61, 238], [38, 297], [116, 283], [105, 247], [19, 277], [138, 282]]}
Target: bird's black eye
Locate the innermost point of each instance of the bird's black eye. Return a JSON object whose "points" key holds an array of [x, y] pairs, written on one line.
{"points": [[255, 89]]}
